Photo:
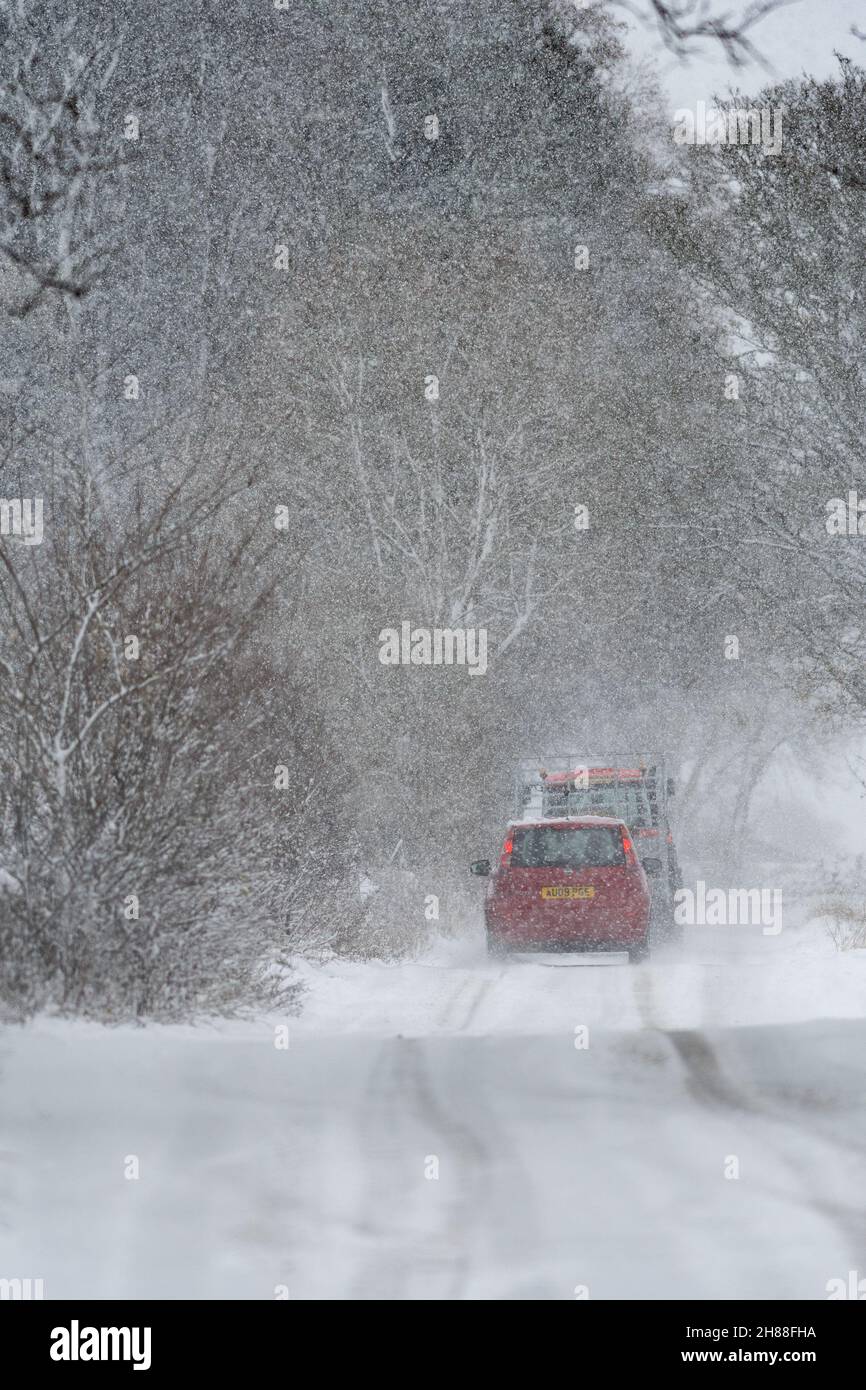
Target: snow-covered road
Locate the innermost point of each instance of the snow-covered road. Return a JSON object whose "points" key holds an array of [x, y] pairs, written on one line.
{"points": [[434, 1131]]}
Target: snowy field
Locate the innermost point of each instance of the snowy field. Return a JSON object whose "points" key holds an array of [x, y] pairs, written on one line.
{"points": [[309, 1171]]}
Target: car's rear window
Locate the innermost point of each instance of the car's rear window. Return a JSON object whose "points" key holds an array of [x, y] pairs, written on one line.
{"points": [[567, 847]]}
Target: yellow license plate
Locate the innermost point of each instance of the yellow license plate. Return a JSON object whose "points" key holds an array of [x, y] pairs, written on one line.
{"points": [[565, 892]]}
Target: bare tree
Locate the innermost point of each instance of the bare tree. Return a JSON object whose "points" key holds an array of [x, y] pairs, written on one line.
{"points": [[138, 819], [684, 24], [55, 159]]}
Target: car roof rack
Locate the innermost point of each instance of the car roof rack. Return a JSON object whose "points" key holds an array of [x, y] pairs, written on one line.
{"points": [[542, 784]]}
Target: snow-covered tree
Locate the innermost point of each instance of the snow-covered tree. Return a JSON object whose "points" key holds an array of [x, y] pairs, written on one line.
{"points": [[775, 246]]}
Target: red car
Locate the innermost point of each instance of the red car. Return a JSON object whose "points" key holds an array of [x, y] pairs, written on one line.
{"points": [[566, 885]]}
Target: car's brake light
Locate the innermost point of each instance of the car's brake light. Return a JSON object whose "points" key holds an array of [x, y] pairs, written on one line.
{"points": [[628, 849], [506, 853], [670, 837]]}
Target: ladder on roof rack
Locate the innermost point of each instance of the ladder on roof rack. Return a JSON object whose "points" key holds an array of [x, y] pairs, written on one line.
{"points": [[532, 792]]}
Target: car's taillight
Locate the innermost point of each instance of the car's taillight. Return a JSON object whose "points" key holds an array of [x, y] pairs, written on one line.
{"points": [[670, 837], [506, 853], [628, 850]]}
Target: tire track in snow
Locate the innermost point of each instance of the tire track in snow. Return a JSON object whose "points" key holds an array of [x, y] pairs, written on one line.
{"points": [[705, 1080], [447, 1020], [712, 1088], [486, 986], [704, 1077], [414, 1256], [397, 1137], [474, 1157], [453, 1002]]}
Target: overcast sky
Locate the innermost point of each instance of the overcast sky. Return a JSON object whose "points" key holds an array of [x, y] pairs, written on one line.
{"points": [[801, 36]]}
